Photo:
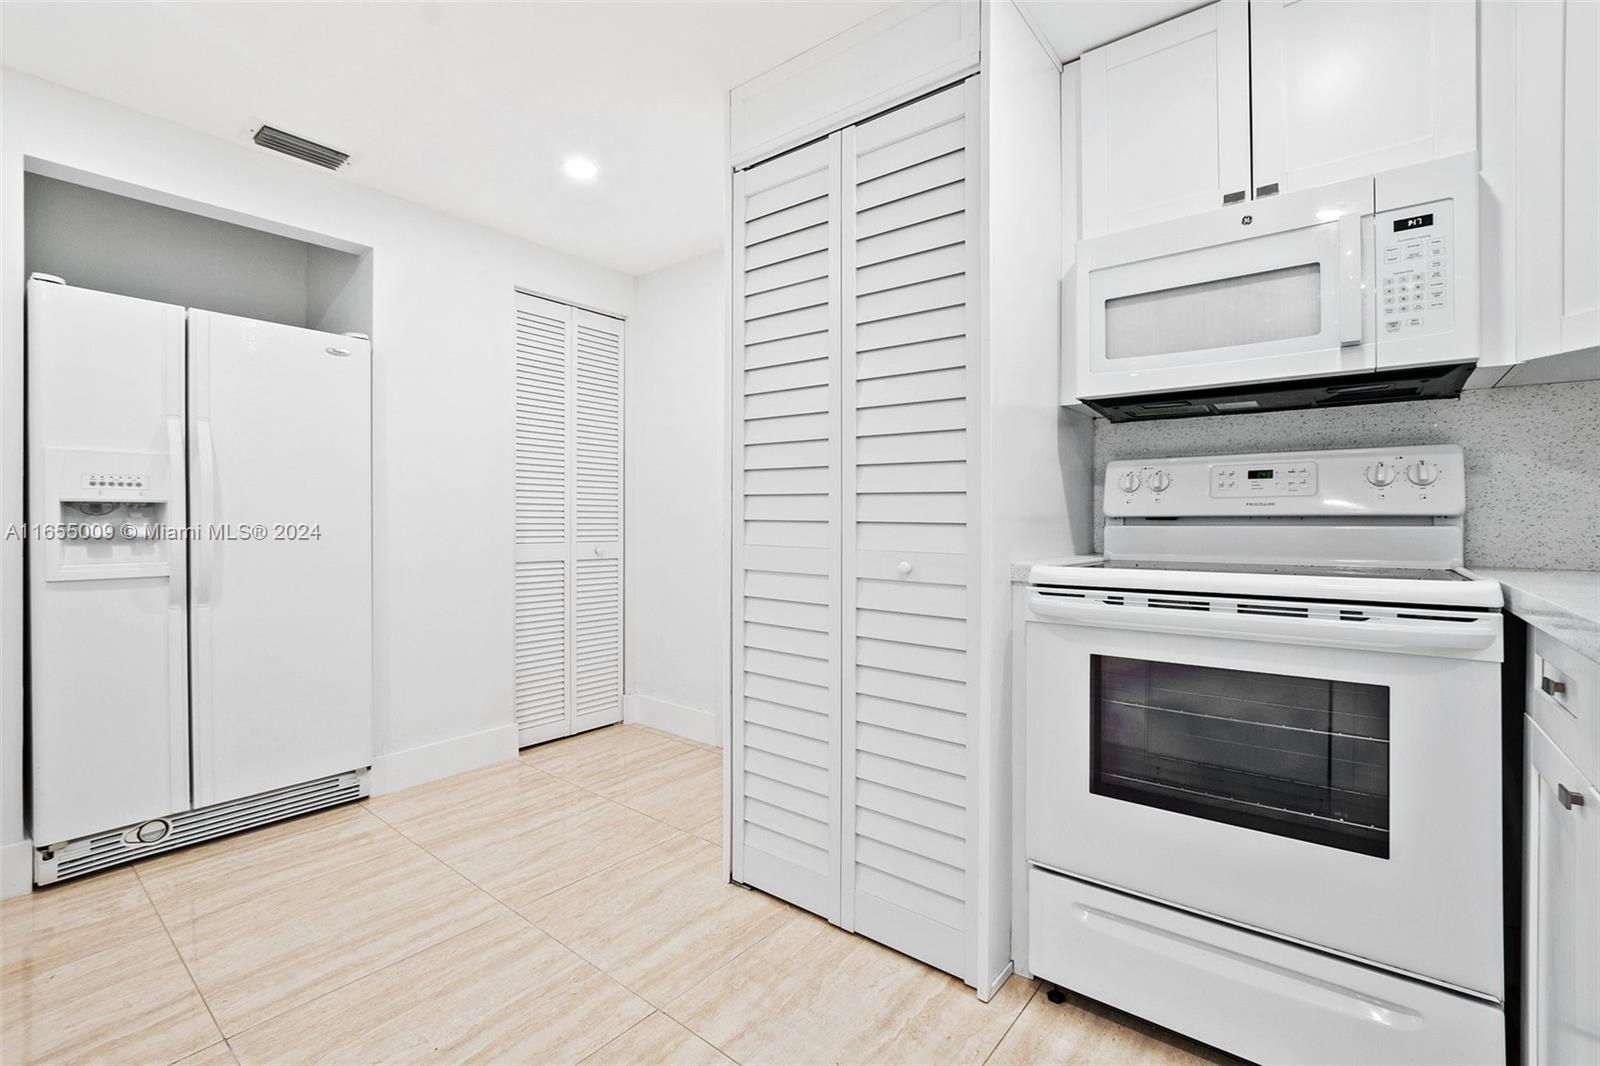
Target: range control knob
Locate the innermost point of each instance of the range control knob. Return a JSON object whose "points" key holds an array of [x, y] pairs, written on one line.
{"points": [[1422, 473], [1129, 481], [1380, 474], [1160, 481]]}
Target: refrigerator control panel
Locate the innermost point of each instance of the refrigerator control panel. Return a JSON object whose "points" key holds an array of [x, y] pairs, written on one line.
{"points": [[119, 477]]}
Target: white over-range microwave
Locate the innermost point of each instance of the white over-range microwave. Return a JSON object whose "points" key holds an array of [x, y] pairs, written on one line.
{"points": [[1358, 292]]}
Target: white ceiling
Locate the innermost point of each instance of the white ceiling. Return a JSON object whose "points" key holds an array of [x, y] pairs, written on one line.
{"points": [[1073, 27], [466, 107]]}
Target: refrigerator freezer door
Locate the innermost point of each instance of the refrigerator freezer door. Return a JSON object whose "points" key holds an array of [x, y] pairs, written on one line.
{"points": [[108, 688], [281, 627]]}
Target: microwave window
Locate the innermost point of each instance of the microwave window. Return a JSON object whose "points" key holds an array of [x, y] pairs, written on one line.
{"points": [[1299, 757], [1272, 305]]}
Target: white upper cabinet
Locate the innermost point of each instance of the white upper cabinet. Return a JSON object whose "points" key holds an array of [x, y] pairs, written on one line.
{"points": [[1237, 101], [1557, 175], [1166, 120], [1346, 90]]}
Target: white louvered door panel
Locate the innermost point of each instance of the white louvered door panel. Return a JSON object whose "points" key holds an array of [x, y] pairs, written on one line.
{"points": [[568, 570], [785, 745], [910, 320], [542, 692], [597, 511]]}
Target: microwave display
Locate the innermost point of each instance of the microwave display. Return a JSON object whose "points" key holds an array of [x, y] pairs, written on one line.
{"points": [[1414, 222]]}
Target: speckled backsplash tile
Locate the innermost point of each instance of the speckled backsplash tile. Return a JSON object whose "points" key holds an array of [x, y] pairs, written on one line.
{"points": [[1532, 452]]}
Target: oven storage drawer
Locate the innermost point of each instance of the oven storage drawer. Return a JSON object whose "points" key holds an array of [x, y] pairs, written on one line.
{"points": [[1252, 995]]}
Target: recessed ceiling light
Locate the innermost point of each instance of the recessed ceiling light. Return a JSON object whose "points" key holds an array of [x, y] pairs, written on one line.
{"points": [[580, 169]]}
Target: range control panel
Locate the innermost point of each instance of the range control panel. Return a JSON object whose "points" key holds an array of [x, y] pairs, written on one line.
{"points": [[1415, 289], [1284, 479], [1421, 480]]}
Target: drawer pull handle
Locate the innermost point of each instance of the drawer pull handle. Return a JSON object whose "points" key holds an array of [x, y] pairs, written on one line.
{"points": [[1568, 798], [904, 568], [1552, 687]]}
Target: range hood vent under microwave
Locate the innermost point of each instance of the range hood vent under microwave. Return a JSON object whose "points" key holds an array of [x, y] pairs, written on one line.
{"points": [[1442, 382]]}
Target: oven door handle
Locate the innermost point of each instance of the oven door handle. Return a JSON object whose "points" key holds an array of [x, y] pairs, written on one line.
{"points": [[1418, 637]]}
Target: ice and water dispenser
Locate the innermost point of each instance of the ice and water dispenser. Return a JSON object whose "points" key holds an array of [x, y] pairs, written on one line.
{"points": [[111, 514]]}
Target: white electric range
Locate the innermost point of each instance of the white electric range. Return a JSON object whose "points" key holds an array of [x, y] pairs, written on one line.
{"points": [[1264, 759]]}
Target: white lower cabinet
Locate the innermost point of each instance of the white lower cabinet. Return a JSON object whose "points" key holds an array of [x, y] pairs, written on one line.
{"points": [[1561, 886], [567, 579], [1204, 978]]}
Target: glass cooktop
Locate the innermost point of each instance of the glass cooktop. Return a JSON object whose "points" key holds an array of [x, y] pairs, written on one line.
{"points": [[1390, 573]]}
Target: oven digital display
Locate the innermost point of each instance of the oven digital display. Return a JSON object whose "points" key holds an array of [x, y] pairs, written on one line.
{"points": [[1259, 475], [1414, 222]]}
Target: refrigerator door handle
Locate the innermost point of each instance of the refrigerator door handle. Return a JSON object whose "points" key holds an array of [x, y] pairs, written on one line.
{"points": [[205, 511], [175, 475]]}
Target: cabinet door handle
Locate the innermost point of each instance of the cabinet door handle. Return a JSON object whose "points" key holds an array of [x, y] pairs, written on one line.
{"points": [[1568, 798], [1552, 687], [1233, 197]]}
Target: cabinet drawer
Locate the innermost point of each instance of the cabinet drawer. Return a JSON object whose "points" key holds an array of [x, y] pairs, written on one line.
{"points": [[1564, 698], [1253, 995]]}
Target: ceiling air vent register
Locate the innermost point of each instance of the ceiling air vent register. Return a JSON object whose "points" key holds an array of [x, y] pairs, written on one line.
{"points": [[310, 151]]}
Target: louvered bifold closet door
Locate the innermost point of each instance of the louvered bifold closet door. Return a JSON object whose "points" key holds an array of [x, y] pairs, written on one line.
{"points": [[597, 516], [542, 686], [785, 744], [909, 298]]}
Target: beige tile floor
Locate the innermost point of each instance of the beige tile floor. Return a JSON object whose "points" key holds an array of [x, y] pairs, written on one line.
{"points": [[568, 906]]}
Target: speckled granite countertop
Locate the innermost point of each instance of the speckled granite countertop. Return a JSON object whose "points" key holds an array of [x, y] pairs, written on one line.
{"points": [[1563, 603]]}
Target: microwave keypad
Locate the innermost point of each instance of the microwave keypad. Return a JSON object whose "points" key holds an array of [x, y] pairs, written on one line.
{"points": [[1414, 290]]}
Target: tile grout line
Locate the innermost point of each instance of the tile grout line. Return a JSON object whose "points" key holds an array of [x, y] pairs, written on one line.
{"points": [[653, 1012], [792, 912], [655, 1008], [536, 927], [611, 799], [227, 1039], [204, 1002], [1025, 1005]]}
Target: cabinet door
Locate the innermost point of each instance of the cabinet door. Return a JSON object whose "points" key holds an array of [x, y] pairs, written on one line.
{"points": [[910, 432], [1342, 89], [1561, 972], [1558, 171], [785, 443], [542, 674], [1166, 120]]}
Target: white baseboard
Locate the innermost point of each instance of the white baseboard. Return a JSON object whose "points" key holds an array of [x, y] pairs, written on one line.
{"points": [[16, 869], [692, 723], [415, 766]]}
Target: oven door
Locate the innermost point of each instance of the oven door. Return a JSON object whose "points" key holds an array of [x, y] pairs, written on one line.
{"points": [[1265, 291], [1332, 777]]}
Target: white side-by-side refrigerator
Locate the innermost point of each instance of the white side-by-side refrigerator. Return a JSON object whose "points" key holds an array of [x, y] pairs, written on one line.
{"points": [[200, 574]]}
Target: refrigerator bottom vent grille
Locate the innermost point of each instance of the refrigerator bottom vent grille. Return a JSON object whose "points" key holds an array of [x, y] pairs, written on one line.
{"points": [[90, 854]]}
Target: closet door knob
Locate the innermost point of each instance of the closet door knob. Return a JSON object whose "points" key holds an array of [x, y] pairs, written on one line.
{"points": [[904, 568]]}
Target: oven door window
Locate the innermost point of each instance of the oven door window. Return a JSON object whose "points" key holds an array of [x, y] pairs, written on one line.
{"points": [[1300, 757]]}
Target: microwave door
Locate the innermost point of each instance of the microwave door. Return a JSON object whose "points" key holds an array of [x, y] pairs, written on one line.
{"points": [[1261, 293]]}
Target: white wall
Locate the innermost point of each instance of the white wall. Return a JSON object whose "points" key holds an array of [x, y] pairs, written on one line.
{"points": [[677, 500], [1037, 457], [442, 329], [98, 240]]}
